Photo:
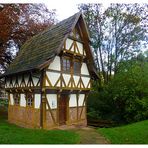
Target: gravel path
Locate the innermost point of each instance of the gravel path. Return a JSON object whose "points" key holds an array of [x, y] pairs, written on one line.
{"points": [[89, 135]]}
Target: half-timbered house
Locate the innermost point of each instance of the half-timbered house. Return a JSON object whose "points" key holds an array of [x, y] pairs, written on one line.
{"points": [[49, 80]]}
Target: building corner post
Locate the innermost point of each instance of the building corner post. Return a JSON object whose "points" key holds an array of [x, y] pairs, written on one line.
{"points": [[43, 101]]}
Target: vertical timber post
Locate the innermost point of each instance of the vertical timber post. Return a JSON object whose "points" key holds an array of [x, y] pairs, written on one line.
{"points": [[43, 101], [58, 99], [77, 97], [87, 94], [44, 109], [67, 110], [9, 102]]}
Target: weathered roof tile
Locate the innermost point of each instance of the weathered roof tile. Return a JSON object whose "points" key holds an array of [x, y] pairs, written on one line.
{"points": [[41, 47]]}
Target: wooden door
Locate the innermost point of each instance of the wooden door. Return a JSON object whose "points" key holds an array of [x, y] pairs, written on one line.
{"points": [[63, 109]]}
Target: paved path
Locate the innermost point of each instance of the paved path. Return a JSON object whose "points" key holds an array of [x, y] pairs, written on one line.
{"points": [[90, 136]]}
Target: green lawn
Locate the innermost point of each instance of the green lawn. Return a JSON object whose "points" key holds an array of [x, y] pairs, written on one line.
{"points": [[136, 133], [12, 134]]}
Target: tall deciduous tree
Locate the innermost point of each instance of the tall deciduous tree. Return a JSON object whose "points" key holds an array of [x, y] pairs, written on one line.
{"points": [[117, 33], [19, 22]]}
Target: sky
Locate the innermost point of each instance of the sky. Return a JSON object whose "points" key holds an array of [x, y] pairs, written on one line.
{"points": [[66, 8]]}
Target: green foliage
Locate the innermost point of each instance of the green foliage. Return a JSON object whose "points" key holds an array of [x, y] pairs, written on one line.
{"points": [[3, 103], [129, 91], [12, 134], [3, 109], [135, 133], [99, 105], [118, 34], [125, 97]]}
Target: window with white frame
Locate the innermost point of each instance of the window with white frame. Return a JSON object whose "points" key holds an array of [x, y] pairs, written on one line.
{"points": [[29, 99]]}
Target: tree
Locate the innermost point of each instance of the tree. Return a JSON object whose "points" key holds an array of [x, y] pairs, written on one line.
{"points": [[129, 89], [117, 34], [19, 22], [125, 98]]}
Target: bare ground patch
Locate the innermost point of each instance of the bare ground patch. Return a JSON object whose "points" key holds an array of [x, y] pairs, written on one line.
{"points": [[89, 135]]}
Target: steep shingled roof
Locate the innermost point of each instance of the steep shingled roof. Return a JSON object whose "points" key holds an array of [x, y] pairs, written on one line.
{"points": [[42, 47]]}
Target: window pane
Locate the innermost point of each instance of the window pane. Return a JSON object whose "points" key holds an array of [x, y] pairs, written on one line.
{"points": [[76, 67], [66, 65], [29, 98]]}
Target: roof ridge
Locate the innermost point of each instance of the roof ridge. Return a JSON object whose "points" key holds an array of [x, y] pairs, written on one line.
{"points": [[36, 50], [48, 28], [64, 20]]}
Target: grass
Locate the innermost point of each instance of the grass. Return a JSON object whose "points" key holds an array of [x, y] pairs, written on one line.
{"points": [[136, 133], [12, 134]]}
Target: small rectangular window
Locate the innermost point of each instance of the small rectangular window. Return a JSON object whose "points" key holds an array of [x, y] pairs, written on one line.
{"points": [[16, 99], [29, 99], [76, 67], [66, 65]]}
